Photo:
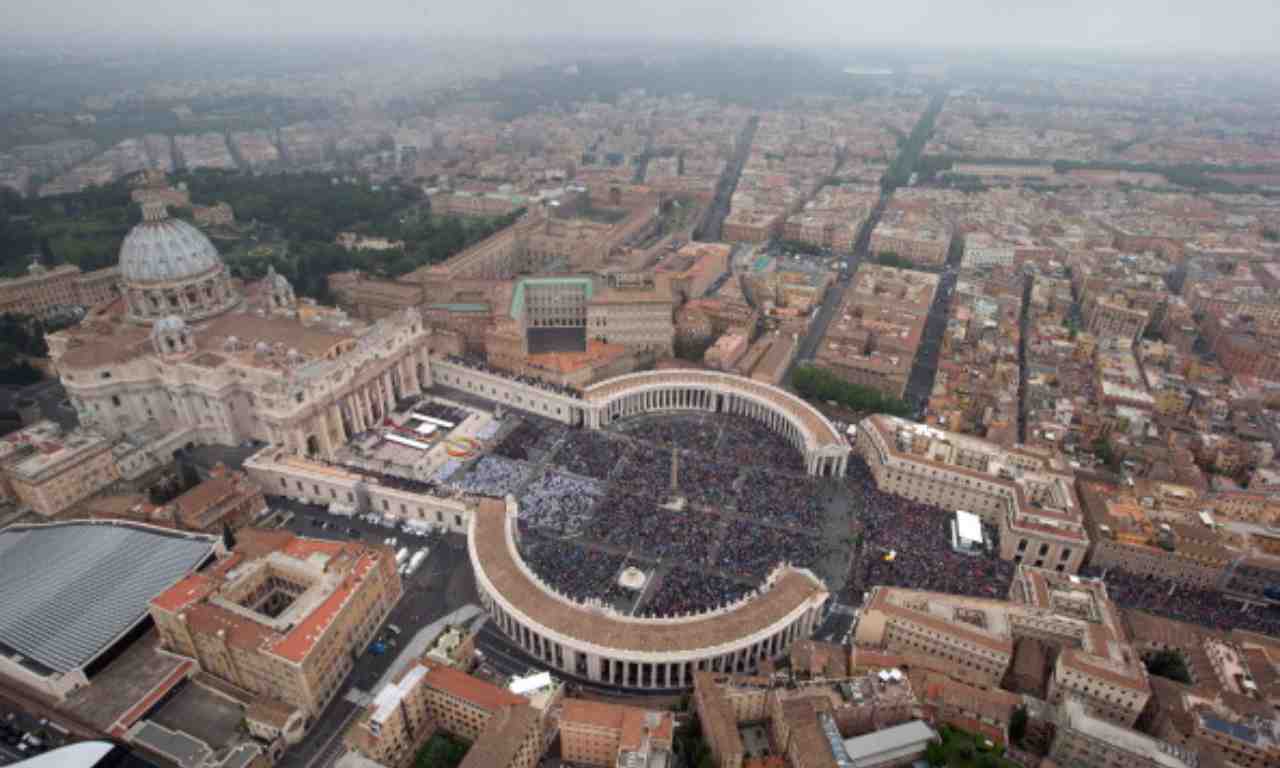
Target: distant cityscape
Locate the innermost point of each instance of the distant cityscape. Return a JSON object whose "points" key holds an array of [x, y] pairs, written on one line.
{"points": [[644, 408]]}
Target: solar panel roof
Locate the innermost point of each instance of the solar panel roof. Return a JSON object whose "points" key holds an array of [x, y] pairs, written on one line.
{"points": [[68, 590]]}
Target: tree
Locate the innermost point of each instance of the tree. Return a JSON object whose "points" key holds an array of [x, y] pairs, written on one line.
{"points": [[1018, 725], [815, 383], [935, 754], [1170, 665], [892, 259]]}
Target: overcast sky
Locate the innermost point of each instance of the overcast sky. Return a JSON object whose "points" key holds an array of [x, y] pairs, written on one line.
{"points": [[1160, 26]]}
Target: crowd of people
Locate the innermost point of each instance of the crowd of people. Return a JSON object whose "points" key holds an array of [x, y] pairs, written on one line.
{"points": [[627, 520], [477, 364], [787, 500], [707, 556], [747, 442], [577, 572], [751, 551], [707, 482], [1183, 603], [495, 476], [688, 432], [590, 453], [440, 411], [681, 590], [907, 544], [529, 440], [560, 503]]}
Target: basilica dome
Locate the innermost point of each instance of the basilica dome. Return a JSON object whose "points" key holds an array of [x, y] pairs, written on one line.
{"points": [[169, 268]]}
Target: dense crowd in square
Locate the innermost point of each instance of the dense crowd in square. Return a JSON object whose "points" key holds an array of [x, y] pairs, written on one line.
{"points": [[560, 503], [529, 440], [495, 476], [907, 544], [577, 572], [781, 500], [589, 453], [1184, 603], [603, 495], [681, 590], [747, 442]]}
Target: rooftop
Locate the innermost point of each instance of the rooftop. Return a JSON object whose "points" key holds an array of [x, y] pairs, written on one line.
{"points": [[72, 589]]}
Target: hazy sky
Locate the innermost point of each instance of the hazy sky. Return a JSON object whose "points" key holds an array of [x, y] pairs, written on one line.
{"points": [[1161, 26]]}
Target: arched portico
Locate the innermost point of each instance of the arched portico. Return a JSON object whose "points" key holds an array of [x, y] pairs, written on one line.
{"points": [[824, 448]]}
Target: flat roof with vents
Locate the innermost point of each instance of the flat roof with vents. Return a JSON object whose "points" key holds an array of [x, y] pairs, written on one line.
{"points": [[71, 590]]}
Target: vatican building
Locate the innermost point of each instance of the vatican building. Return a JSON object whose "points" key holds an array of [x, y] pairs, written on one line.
{"points": [[189, 350]]}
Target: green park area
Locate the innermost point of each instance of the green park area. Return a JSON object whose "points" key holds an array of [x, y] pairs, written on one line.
{"points": [[441, 751], [287, 221], [961, 749]]}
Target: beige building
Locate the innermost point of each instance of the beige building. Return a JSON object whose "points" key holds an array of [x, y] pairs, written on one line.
{"points": [[921, 246], [281, 616], [1090, 742], [43, 290], [1110, 316], [1142, 537], [975, 637], [191, 350], [602, 734], [873, 339], [636, 311], [1030, 497], [806, 721], [504, 729], [50, 470]]}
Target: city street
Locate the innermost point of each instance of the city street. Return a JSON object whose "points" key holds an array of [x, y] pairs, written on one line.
{"points": [[818, 328], [925, 368], [709, 231], [440, 586]]}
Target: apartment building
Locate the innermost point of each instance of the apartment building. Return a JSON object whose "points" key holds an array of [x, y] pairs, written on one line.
{"points": [[504, 728], [878, 327], [1143, 537], [282, 615], [1029, 496], [807, 721], [974, 638], [43, 290], [982, 250], [1090, 742], [1112, 316], [924, 245], [50, 470], [602, 734]]}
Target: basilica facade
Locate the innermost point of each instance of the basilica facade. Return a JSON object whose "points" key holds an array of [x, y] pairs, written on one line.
{"points": [[190, 348]]}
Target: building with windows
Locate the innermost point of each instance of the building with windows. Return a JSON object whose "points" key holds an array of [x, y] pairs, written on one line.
{"points": [[808, 722], [43, 291], [51, 470], [505, 730], [1029, 497], [281, 616], [187, 347], [602, 734], [1091, 742], [1096, 664]]}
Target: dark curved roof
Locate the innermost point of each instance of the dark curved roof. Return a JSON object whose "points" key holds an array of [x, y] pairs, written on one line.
{"points": [[69, 590]]}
